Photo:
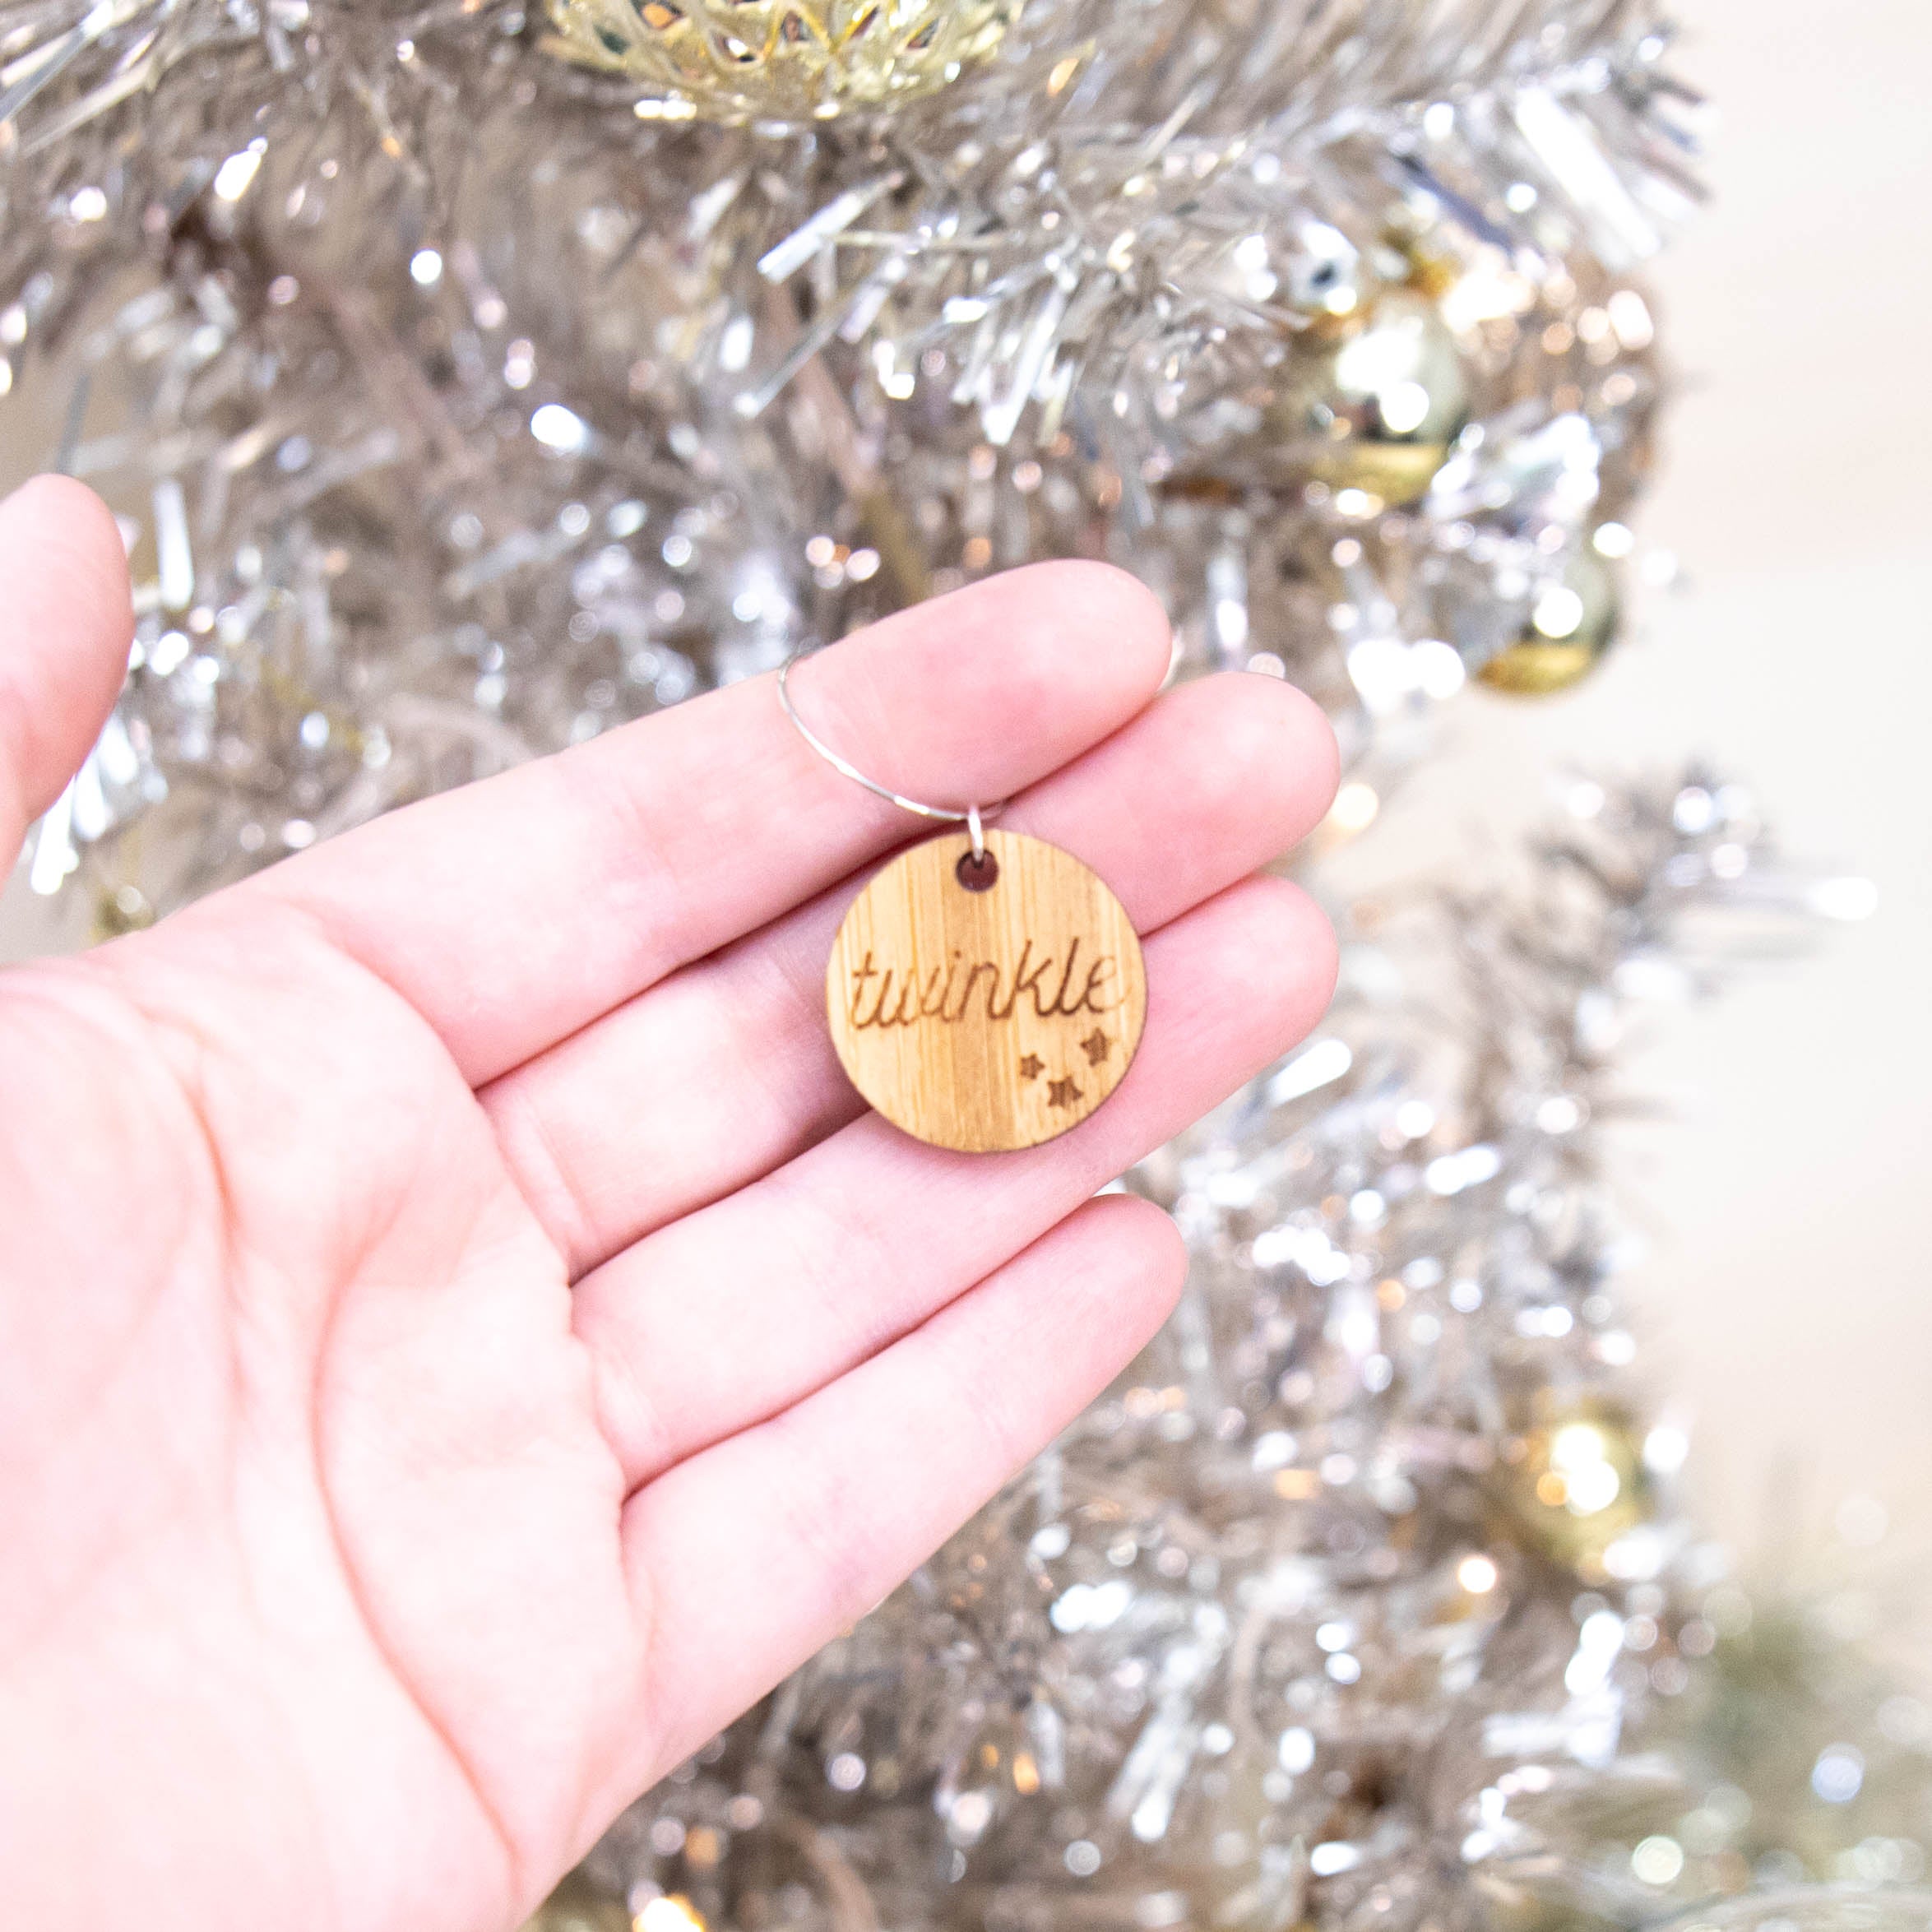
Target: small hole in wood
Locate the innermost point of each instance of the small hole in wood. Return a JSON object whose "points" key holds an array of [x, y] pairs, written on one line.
{"points": [[977, 874]]}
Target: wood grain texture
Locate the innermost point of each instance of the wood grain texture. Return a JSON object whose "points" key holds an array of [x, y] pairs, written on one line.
{"points": [[986, 1020]]}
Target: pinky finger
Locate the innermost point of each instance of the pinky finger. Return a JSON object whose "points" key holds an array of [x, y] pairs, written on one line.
{"points": [[753, 1554]]}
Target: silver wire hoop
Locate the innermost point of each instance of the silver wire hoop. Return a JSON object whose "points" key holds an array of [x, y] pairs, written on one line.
{"points": [[972, 817]]}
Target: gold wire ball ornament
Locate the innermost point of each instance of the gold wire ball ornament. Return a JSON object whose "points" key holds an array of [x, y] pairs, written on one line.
{"points": [[1375, 405], [1569, 626], [781, 59]]}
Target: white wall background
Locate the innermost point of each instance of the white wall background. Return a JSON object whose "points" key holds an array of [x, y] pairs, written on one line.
{"points": [[1788, 1301]]}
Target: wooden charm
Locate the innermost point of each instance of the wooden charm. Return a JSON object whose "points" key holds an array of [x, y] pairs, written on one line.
{"points": [[987, 1006]]}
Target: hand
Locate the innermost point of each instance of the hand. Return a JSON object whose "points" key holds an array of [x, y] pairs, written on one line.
{"points": [[462, 1338]]}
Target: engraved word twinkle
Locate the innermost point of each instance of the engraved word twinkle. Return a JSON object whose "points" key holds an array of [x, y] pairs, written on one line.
{"points": [[986, 1007]]}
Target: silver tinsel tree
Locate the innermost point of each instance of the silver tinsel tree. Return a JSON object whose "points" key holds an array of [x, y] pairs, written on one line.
{"points": [[468, 380], [463, 401]]}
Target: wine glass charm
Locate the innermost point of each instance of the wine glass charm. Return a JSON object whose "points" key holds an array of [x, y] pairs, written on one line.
{"points": [[985, 991]]}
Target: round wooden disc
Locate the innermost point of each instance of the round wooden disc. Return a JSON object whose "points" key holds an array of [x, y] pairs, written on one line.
{"points": [[990, 1019]]}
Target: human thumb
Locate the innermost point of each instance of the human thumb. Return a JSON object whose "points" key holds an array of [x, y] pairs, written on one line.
{"points": [[66, 623]]}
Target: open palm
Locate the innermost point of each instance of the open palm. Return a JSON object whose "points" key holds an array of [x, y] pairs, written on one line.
{"points": [[462, 1338]]}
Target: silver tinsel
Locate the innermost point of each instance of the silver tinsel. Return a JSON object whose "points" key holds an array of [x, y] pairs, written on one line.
{"points": [[456, 412]]}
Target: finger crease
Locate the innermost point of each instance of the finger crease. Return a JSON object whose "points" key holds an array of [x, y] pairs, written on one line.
{"points": [[526, 1139]]}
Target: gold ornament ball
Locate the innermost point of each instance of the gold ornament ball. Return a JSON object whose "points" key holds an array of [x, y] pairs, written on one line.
{"points": [[782, 59], [577, 1905], [1579, 1485], [1570, 625], [1376, 406], [124, 909]]}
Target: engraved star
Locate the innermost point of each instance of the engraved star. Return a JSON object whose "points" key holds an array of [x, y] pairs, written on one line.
{"points": [[1061, 1093], [1096, 1046], [1032, 1066]]}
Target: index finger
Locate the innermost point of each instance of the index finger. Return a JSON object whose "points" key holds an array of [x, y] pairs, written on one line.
{"points": [[65, 622], [511, 913]]}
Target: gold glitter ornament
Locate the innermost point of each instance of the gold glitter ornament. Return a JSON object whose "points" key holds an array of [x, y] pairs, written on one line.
{"points": [[736, 60], [1376, 407], [1569, 626], [1578, 1484]]}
